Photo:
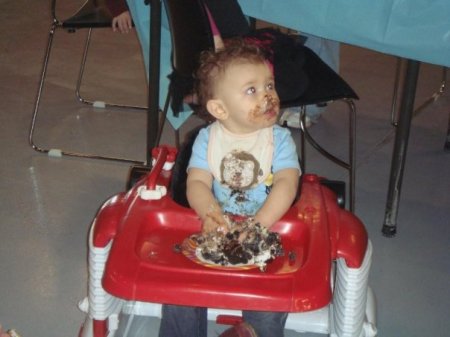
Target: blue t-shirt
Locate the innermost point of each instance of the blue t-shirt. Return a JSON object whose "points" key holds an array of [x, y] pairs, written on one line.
{"points": [[247, 201]]}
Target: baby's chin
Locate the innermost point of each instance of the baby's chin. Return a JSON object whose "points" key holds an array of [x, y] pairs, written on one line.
{"points": [[271, 117]]}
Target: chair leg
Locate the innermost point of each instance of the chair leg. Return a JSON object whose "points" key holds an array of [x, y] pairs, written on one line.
{"points": [[53, 151], [303, 138], [352, 152], [97, 104], [162, 122], [40, 88], [162, 119], [350, 165]]}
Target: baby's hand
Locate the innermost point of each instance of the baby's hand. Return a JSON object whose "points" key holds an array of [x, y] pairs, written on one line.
{"points": [[243, 228], [9, 333], [215, 222], [2, 333], [122, 23]]}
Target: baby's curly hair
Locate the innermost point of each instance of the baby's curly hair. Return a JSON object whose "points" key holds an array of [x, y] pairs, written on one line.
{"points": [[213, 64]]}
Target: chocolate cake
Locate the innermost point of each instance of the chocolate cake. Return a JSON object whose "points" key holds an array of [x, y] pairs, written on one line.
{"points": [[245, 244]]}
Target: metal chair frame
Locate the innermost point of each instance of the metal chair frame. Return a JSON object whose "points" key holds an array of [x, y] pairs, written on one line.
{"points": [[350, 164], [97, 104], [92, 14]]}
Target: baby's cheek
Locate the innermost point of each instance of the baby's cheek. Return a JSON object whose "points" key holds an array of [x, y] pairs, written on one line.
{"points": [[255, 114]]}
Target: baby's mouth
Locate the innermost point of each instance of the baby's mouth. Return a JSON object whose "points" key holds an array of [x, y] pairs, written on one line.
{"points": [[269, 106], [270, 112], [268, 109]]}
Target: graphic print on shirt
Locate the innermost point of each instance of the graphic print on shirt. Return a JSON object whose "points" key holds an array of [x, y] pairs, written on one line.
{"points": [[242, 167]]}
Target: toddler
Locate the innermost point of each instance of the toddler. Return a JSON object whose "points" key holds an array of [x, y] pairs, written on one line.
{"points": [[242, 164]]}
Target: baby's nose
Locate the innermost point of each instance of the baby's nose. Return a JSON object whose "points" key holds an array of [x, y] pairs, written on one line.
{"points": [[267, 100]]}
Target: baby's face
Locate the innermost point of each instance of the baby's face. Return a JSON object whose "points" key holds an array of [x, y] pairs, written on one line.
{"points": [[249, 97]]}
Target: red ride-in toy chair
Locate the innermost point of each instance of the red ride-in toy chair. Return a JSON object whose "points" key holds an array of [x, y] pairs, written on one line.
{"points": [[135, 263]]}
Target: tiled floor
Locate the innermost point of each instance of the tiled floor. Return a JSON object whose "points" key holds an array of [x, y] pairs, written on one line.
{"points": [[47, 204]]}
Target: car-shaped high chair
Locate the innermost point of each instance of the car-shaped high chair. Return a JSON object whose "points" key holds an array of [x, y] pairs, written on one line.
{"points": [[136, 265]]}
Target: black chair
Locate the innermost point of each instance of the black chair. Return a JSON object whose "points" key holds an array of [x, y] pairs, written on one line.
{"points": [[92, 14], [191, 34]]}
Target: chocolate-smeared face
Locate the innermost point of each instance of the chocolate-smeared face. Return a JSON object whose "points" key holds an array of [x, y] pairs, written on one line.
{"points": [[266, 110], [248, 96]]}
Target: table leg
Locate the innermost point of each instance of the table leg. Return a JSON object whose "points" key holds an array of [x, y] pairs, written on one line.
{"points": [[447, 139], [153, 76], [400, 148]]}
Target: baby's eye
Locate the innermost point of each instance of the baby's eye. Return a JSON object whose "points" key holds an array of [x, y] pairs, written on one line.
{"points": [[250, 91], [270, 86]]}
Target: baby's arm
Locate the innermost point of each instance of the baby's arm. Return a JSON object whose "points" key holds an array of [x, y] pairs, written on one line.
{"points": [[280, 198], [201, 199]]}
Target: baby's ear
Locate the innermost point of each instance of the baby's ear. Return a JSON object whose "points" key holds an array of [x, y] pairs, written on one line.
{"points": [[216, 108]]}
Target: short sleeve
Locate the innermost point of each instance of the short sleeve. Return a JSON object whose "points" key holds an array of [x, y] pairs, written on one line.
{"points": [[200, 151], [285, 150]]}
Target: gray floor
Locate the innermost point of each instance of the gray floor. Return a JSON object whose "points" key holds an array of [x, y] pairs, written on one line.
{"points": [[47, 203]]}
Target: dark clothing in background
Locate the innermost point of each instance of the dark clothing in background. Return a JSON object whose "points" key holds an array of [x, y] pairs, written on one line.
{"points": [[116, 6]]}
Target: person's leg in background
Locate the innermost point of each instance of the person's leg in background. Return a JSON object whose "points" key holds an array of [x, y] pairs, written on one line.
{"points": [[328, 51]]}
